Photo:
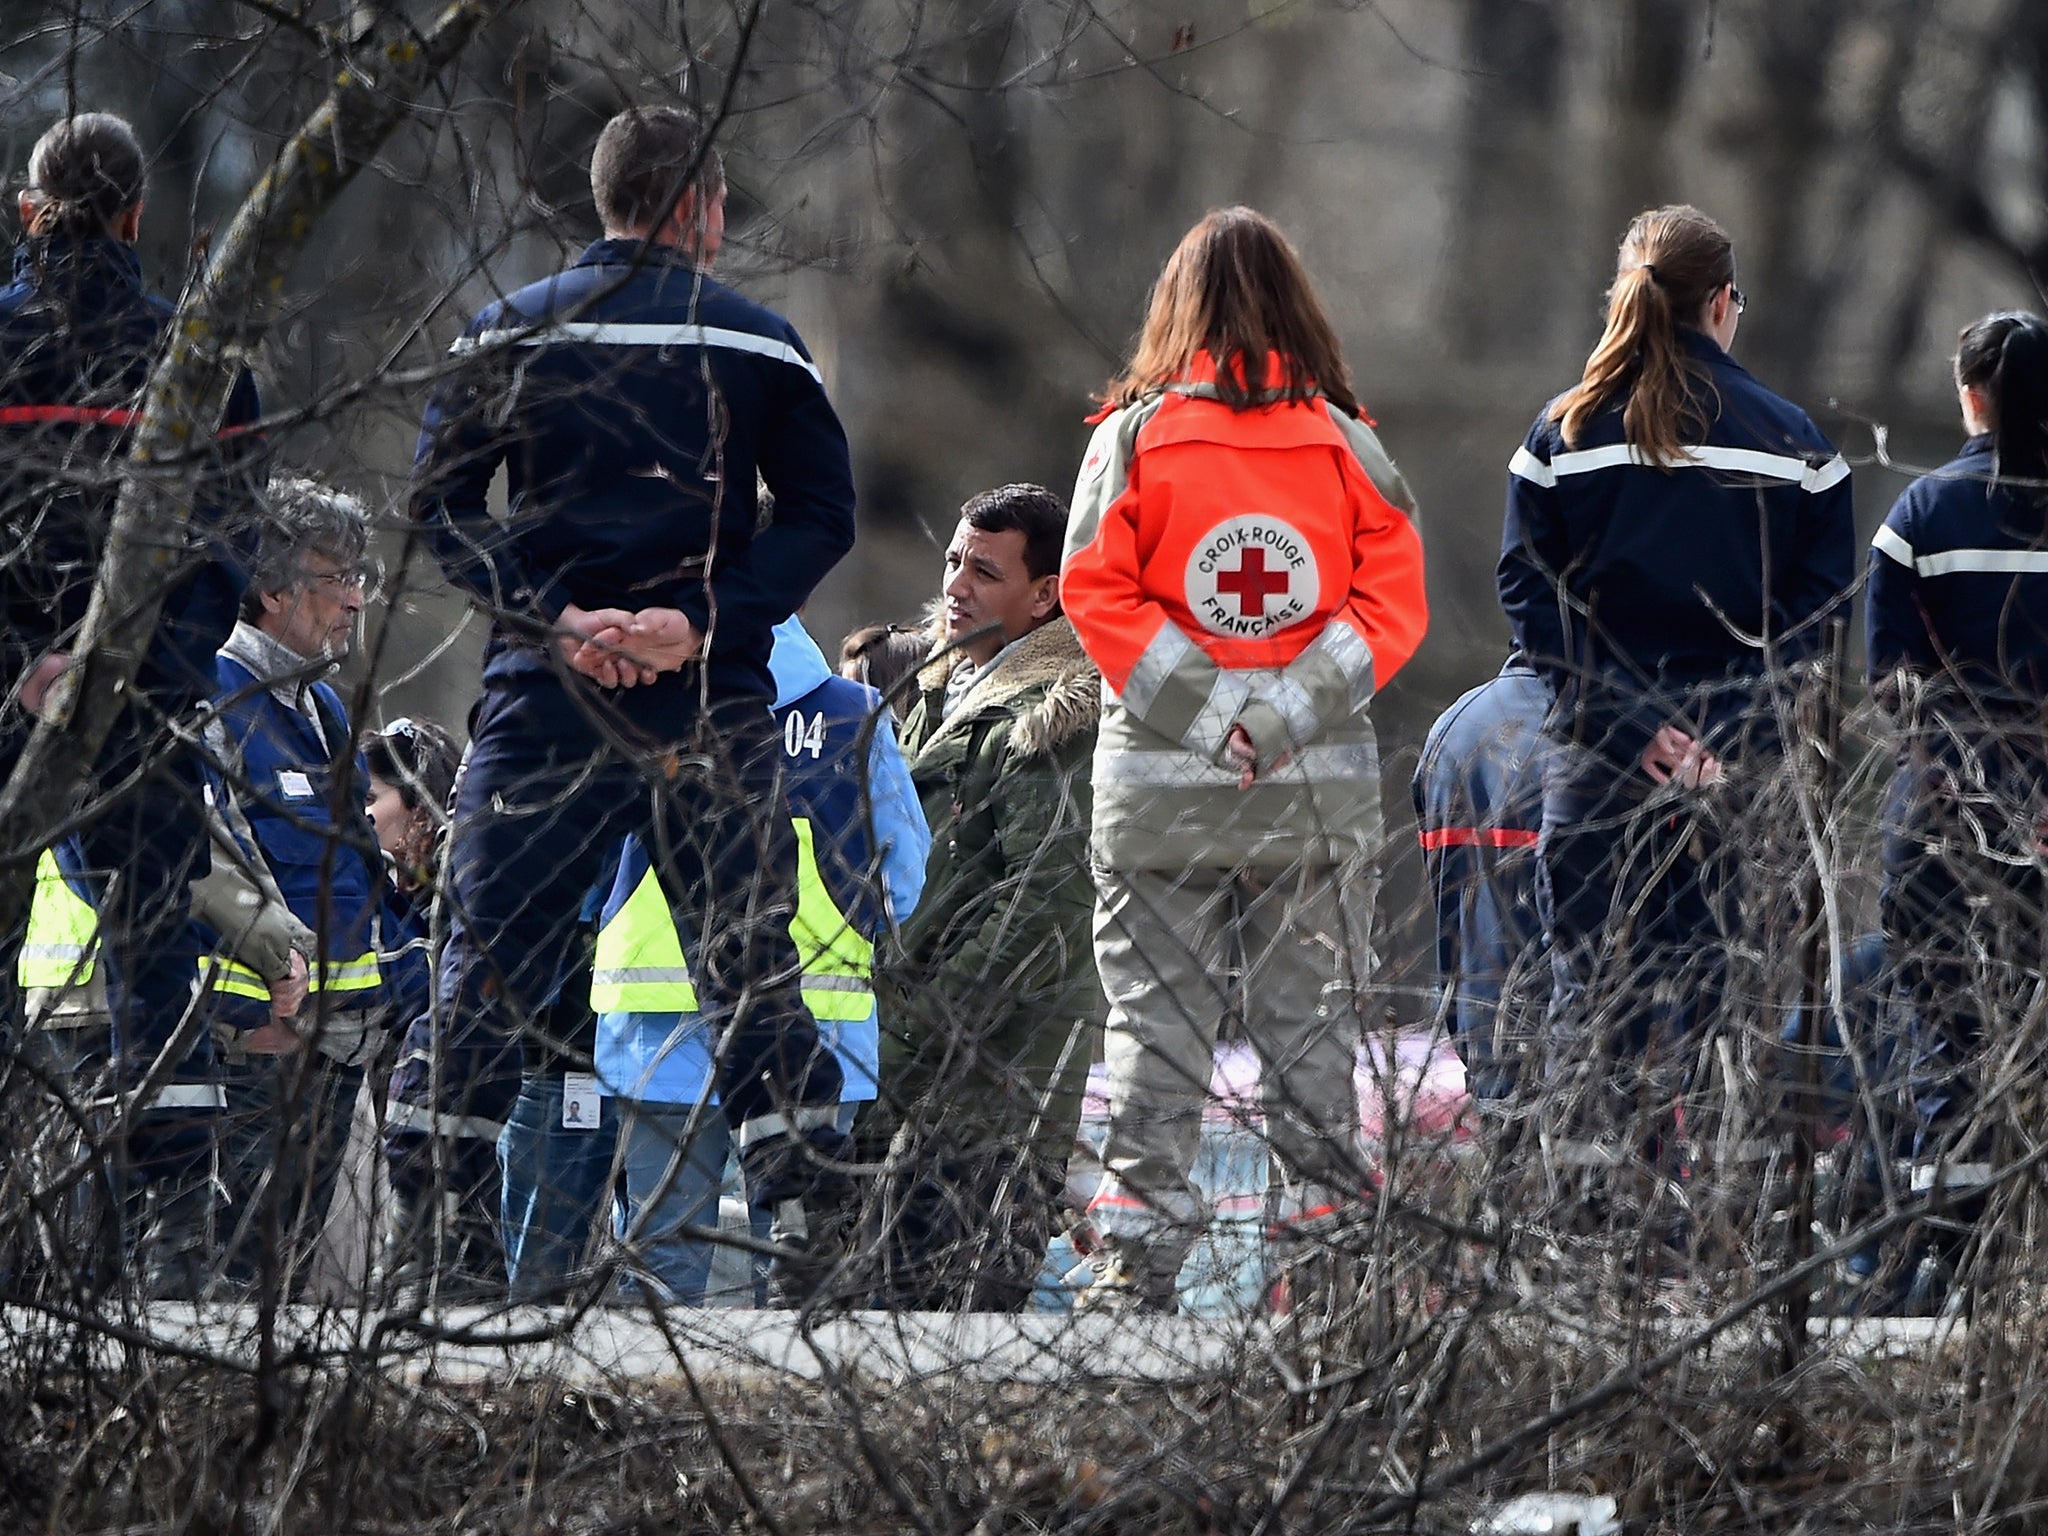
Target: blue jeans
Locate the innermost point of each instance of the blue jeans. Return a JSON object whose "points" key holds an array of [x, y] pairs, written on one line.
{"points": [[671, 1225], [556, 1181]]}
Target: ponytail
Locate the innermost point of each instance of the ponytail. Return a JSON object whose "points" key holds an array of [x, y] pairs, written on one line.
{"points": [[1672, 261], [84, 173], [2006, 356]]}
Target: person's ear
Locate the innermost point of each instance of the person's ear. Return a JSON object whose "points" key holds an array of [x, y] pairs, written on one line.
{"points": [[273, 602], [26, 207], [1045, 597], [681, 228], [128, 225]]}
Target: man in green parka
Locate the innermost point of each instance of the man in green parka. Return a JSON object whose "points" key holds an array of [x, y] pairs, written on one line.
{"points": [[991, 1021]]}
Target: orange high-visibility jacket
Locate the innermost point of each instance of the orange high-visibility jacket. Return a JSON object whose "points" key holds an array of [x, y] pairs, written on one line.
{"points": [[1253, 568]]}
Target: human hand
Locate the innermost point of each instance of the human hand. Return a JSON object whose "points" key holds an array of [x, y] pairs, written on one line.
{"points": [[288, 992], [41, 678], [1672, 754], [1243, 756], [661, 640], [578, 634]]}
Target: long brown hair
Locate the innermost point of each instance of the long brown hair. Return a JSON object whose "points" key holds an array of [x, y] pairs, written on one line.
{"points": [[1672, 261], [1234, 288]]}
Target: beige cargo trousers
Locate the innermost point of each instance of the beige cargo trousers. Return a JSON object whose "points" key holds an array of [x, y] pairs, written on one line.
{"points": [[1286, 954]]}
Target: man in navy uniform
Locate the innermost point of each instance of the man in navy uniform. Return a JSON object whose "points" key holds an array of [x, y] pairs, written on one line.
{"points": [[631, 401], [1479, 808]]}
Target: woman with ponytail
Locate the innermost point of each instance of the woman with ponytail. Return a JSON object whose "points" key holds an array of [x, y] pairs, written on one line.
{"points": [[1675, 535], [1958, 651]]}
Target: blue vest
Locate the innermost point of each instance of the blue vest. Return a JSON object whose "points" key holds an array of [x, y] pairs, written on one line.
{"points": [[665, 1057], [287, 788]]}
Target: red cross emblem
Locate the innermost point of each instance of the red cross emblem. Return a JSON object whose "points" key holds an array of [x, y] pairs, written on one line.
{"points": [[1251, 583], [1250, 575]]}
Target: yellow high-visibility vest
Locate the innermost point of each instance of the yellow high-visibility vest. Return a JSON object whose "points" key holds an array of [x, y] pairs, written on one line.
{"points": [[61, 949], [639, 965], [234, 979]]}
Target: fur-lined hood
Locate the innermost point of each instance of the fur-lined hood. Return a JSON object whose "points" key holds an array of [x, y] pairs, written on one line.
{"points": [[1049, 658]]}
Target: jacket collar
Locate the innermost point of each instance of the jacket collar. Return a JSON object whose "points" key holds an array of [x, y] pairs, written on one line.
{"points": [[65, 261], [1697, 343], [1049, 660], [282, 670], [634, 252]]}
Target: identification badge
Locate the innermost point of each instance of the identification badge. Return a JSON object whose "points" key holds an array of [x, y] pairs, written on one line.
{"points": [[294, 785], [582, 1101]]}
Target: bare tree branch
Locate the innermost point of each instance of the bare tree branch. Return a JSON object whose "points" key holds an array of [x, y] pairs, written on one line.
{"points": [[221, 321]]}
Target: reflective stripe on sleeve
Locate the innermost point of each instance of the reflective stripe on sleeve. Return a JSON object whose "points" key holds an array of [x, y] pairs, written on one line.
{"points": [[1212, 723], [1166, 651], [1526, 466], [1889, 541], [797, 1122], [1826, 476], [1927, 1176], [188, 1096], [1296, 708], [1347, 648], [2004, 562]]}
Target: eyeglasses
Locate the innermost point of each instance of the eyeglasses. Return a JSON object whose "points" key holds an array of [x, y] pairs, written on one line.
{"points": [[337, 581], [1741, 299]]}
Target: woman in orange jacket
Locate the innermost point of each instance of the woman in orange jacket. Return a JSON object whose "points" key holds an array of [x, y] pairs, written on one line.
{"points": [[1242, 566]]}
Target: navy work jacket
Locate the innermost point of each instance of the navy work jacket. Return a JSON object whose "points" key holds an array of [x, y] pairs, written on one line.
{"points": [[288, 784], [1959, 585], [632, 401], [1642, 593], [78, 337], [1478, 792]]}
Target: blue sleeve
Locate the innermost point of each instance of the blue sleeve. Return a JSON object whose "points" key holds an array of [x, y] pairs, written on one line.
{"points": [[1895, 625], [902, 838], [1826, 559], [805, 464], [1427, 787], [467, 430], [1533, 556]]}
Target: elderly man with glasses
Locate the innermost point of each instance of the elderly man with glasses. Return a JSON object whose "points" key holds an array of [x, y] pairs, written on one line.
{"points": [[292, 784]]}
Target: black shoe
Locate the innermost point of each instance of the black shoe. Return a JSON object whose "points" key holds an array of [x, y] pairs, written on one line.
{"points": [[812, 1239]]}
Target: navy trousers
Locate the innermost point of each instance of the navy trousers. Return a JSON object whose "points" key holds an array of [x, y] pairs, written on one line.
{"points": [[1641, 890], [1962, 905]]}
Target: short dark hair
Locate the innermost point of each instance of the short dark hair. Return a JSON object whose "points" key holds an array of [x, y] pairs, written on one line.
{"points": [[302, 517], [646, 159], [83, 174], [1030, 509]]}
